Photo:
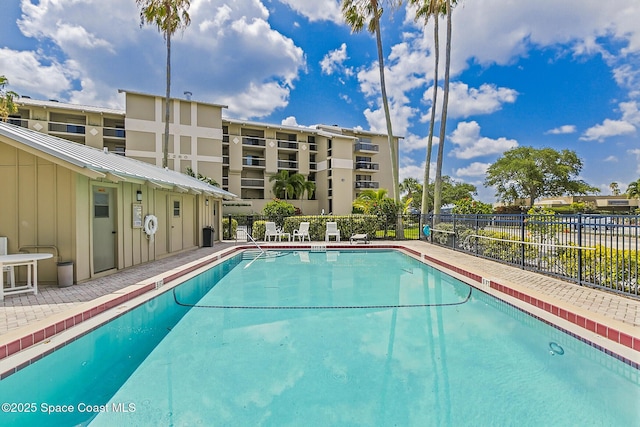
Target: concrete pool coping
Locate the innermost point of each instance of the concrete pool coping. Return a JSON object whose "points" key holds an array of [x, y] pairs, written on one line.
{"points": [[613, 326]]}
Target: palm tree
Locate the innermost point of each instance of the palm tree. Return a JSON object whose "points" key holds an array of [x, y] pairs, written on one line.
{"points": [[169, 16], [368, 197], [6, 99], [427, 9], [289, 186], [615, 188], [633, 190], [308, 187], [356, 12], [437, 192]]}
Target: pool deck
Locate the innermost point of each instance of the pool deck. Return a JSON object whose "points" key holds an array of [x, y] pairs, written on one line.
{"points": [[600, 317]]}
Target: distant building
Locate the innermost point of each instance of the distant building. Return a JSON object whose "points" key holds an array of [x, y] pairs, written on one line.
{"points": [[240, 155], [604, 204]]}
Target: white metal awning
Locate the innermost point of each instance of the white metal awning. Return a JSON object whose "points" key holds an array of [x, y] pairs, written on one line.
{"points": [[96, 163]]}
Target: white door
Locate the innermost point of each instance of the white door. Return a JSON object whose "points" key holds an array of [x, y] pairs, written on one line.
{"points": [[104, 229], [176, 214]]}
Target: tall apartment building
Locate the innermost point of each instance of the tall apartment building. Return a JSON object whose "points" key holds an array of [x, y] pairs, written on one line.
{"points": [[240, 155]]}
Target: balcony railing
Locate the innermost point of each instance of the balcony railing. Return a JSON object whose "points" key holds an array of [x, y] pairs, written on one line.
{"points": [[66, 128], [246, 182], [225, 160], [367, 184], [225, 181], [313, 166], [365, 147], [260, 142], [367, 166], [287, 164], [253, 161], [18, 122], [313, 147], [292, 145], [113, 132]]}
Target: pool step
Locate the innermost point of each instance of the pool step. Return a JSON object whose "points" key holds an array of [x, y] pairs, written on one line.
{"points": [[253, 254]]}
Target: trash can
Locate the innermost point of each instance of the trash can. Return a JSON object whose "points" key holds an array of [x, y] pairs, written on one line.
{"points": [[207, 237], [65, 274]]}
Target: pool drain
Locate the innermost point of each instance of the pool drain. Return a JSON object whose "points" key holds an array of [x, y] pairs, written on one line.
{"points": [[556, 348]]}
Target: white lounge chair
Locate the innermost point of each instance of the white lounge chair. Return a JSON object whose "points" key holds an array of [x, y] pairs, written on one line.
{"points": [[7, 268], [302, 232], [355, 238], [270, 230], [332, 230]]}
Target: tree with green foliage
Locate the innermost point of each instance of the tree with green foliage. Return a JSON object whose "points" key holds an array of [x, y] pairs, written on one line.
{"points": [[452, 191], [615, 188], [308, 187], [168, 16], [412, 190], [530, 173], [201, 177], [367, 198], [277, 210], [7, 105], [289, 186], [357, 14], [633, 190], [468, 206]]}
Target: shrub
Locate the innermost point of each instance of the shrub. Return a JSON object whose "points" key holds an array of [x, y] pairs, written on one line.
{"points": [[277, 210]]}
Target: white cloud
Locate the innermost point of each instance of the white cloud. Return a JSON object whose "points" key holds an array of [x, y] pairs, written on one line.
{"points": [[465, 101], [413, 142], [607, 129], [611, 159], [636, 153], [561, 130], [469, 144], [26, 73], [290, 121], [333, 60], [626, 126], [230, 42], [327, 10], [475, 169]]}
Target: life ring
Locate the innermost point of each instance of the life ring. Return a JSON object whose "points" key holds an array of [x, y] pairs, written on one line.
{"points": [[426, 230], [150, 225]]}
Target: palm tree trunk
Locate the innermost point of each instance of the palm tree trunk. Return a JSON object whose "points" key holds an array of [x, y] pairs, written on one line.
{"points": [[424, 207], [392, 148], [437, 192], [387, 115], [165, 144]]}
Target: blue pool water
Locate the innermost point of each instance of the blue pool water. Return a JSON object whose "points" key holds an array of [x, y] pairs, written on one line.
{"points": [[455, 357]]}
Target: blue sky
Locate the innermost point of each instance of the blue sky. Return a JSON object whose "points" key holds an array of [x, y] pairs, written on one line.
{"points": [[539, 73]]}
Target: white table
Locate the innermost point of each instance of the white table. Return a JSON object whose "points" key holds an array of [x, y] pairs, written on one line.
{"points": [[29, 260]]}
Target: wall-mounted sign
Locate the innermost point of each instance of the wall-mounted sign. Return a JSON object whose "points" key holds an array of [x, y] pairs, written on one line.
{"points": [[137, 215]]}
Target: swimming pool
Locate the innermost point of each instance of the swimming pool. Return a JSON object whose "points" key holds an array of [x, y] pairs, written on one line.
{"points": [[368, 338]]}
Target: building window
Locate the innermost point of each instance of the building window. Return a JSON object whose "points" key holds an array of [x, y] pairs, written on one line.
{"points": [[176, 208]]}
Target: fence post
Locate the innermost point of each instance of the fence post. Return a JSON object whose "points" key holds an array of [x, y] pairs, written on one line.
{"points": [[522, 237], [579, 275], [230, 235]]}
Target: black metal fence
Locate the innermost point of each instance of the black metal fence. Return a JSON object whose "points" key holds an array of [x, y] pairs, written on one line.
{"points": [[602, 251], [594, 250]]}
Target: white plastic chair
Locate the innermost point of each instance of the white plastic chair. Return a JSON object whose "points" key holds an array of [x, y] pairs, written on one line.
{"points": [[7, 268], [270, 230], [332, 230], [302, 232]]}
